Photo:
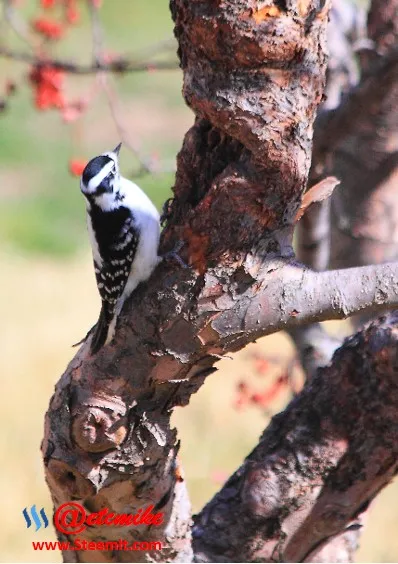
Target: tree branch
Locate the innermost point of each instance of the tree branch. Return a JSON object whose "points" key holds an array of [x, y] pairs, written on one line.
{"points": [[241, 172], [119, 65], [317, 466], [146, 164], [293, 295], [365, 210], [313, 234], [335, 125], [18, 25], [315, 347]]}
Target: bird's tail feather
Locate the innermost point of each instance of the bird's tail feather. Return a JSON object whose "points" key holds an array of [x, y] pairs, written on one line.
{"points": [[85, 337], [100, 331]]}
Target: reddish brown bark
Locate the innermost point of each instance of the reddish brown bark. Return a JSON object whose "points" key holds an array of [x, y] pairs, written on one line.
{"points": [[254, 77], [365, 210], [317, 465], [365, 207]]}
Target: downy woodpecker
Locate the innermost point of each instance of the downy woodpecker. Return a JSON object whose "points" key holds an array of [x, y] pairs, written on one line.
{"points": [[123, 226]]}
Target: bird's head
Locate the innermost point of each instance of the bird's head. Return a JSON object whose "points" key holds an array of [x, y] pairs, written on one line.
{"points": [[101, 176]]}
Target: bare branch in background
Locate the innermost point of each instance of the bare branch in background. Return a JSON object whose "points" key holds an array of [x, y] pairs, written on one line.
{"points": [[317, 466], [146, 164], [365, 211], [313, 239], [347, 27], [18, 24], [315, 347], [97, 33], [334, 126], [119, 65]]}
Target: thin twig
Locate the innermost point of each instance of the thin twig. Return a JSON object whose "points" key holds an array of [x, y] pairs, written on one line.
{"points": [[119, 65], [146, 165], [332, 126], [158, 48], [17, 24], [97, 33]]}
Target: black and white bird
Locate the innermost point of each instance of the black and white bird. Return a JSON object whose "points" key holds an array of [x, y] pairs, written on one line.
{"points": [[124, 229]]}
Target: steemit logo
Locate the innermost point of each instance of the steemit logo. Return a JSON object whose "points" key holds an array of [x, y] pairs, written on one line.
{"points": [[35, 517]]}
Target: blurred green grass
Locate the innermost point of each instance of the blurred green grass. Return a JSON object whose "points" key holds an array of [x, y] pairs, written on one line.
{"points": [[45, 215], [46, 270]]}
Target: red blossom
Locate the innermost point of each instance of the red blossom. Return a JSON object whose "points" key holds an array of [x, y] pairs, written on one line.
{"points": [[96, 3], [266, 397], [72, 13], [71, 112], [219, 476], [261, 365], [242, 396], [76, 166], [48, 28], [47, 83], [48, 4]]}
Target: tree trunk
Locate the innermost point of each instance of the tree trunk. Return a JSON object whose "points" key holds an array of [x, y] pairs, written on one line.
{"points": [[254, 77]]}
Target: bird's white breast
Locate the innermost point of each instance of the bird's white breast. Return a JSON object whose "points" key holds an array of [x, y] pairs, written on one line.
{"points": [[146, 218]]}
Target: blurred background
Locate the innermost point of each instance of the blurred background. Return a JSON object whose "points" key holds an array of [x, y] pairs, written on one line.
{"points": [[49, 298]]}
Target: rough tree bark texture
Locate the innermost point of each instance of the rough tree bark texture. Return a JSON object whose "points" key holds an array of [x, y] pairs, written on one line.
{"points": [[364, 230], [317, 465], [253, 75], [313, 233], [365, 210]]}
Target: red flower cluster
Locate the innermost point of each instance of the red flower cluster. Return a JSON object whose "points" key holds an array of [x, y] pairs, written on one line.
{"points": [[72, 13], [47, 83], [52, 29], [266, 397], [76, 166], [48, 4], [48, 28], [246, 396]]}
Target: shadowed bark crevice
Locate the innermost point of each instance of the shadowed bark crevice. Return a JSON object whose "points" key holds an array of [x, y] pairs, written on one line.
{"points": [[241, 173], [317, 465]]}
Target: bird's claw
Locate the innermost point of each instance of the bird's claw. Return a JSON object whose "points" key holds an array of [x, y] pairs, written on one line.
{"points": [[173, 254]]}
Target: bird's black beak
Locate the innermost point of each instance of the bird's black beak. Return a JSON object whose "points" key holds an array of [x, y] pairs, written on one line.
{"points": [[116, 150]]}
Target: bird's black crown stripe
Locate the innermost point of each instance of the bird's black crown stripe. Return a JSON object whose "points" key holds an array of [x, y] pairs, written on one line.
{"points": [[94, 167]]}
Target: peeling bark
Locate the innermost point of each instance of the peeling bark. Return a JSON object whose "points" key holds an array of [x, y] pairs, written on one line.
{"points": [[317, 466], [365, 121], [254, 77], [365, 210]]}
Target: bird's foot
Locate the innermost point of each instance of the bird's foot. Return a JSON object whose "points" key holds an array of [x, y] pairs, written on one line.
{"points": [[173, 254]]}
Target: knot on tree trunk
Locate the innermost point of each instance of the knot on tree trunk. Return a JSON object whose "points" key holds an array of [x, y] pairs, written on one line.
{"points": [[98, 419], [97, 429]]}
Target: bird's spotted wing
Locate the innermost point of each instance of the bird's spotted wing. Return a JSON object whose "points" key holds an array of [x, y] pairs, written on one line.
{"points": [[111, 279]]}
